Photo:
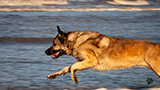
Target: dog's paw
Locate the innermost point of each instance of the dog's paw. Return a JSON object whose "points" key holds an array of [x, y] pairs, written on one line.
{"points": [[52, 76], [75, 80]]}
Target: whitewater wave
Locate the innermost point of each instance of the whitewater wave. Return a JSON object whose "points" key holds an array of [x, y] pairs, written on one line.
{"points": [[128, 2], [30, 2], [65, 2]]}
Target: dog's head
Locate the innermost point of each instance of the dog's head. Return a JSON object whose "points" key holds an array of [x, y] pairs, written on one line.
{"points": [[63, 44], [58, 47]]}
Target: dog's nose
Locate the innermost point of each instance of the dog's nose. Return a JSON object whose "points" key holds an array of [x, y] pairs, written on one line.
{"points": [[47, 52]]}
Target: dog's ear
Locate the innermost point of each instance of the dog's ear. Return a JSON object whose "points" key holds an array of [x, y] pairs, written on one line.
{"points": [[61, 33]]}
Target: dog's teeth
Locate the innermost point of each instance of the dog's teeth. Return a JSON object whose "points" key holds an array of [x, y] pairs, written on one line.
{"points": [[53, 56], [57, 53]]}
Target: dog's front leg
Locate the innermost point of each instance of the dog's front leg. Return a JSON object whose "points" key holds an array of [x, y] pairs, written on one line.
{"points": [[63, 71], [89, 61]]}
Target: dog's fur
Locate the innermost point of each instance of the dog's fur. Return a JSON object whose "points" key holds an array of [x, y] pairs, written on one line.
{"points": [[100, 52]]}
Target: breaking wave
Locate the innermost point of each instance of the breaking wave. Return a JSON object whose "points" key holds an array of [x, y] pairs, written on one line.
{"points": [[30, 2], [64, 2], [133, 2], [77, 5]]}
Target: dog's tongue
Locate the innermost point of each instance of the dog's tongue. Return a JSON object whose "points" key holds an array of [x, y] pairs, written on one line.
{"points": [[55, 55]]}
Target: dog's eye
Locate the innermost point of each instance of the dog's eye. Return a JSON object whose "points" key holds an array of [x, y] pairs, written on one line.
{"points": [[54, 44]]}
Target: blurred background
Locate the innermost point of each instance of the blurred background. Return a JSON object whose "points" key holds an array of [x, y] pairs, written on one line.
{"points": [[27, 29], [64, 2]]}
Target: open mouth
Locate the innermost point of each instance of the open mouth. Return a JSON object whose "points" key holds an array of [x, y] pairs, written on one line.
{"points": [[55, 55]]}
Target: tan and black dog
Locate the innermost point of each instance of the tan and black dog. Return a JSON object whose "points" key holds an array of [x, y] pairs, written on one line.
{"points": [[100, 52]]}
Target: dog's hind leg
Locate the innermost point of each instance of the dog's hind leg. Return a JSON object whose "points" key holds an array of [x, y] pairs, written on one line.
{"points": [[63, 71], [89, 61], [156, 69], [155, 66], [153, 60]]}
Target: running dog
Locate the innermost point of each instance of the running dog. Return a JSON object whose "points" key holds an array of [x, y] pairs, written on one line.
{"points": [[100, 52]]}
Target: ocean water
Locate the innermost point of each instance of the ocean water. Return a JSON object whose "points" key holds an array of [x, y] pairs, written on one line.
{"points": [[27, 31]]}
